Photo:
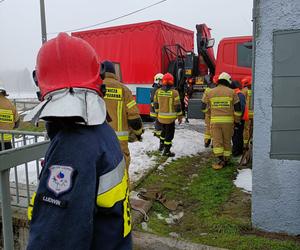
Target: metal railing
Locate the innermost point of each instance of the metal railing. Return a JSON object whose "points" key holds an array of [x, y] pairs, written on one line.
{"points": [[25, 104], [28, 147]]}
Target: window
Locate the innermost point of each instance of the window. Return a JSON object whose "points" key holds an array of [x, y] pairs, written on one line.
{"points": [[285, 133], [244, 55]]}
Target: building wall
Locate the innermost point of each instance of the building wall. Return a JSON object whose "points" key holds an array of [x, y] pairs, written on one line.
{"points": [[276, 183]]}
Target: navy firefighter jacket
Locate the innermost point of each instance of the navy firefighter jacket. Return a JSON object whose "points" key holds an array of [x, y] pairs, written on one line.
{"points": [[82, 198]]}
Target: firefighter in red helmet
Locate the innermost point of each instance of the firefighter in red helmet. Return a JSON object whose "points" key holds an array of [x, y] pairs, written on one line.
{"points": [[82, 198], [167, 109]]}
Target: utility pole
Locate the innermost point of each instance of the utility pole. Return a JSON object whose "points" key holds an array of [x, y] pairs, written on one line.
{"points": [[43, 21]]}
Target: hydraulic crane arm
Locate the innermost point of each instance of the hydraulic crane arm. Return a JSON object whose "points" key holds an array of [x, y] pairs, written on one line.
{"points": [[204, 47]]}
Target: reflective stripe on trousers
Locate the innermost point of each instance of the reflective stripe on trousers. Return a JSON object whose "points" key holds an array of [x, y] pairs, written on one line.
{"points": [[222, 119], [167, 115]]}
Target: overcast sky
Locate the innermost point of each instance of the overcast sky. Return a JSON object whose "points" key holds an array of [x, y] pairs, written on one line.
{"points": [[20, 33]]}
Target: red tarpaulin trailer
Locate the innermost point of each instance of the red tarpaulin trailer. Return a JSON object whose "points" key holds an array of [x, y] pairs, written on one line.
{"points": [[137, 49]]}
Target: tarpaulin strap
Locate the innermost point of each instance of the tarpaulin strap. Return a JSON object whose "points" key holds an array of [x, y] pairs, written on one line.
{"points": [[141, 210], [221, 119]]}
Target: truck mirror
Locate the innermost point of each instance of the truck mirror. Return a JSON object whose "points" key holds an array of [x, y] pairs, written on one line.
{"points": [[248, 45], [210, 43]]}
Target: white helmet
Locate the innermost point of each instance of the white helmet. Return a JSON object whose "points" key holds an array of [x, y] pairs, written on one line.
{"points": [[3, 90], [158, 77], [225, 76]]}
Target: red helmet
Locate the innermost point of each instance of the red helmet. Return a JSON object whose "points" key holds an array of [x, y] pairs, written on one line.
{"points": [[66, 62], [246, 81], [168, 79], [215, 79]]}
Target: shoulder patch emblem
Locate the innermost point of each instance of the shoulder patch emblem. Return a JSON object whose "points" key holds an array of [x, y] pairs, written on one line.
{"points": [[60, 179]]}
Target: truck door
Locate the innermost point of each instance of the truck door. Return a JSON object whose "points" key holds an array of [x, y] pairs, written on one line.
{"points": [[226, 56], [243, 59]]}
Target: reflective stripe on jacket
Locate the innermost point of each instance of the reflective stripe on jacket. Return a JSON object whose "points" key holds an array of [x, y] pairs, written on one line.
{"points": [[121, 106], [8, 117], [220, 101], [167, 105]]}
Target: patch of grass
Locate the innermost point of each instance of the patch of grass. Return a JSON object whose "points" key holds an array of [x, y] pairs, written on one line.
{"points": [[216, 213]]}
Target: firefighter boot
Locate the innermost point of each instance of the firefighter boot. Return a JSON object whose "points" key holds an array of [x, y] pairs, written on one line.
{"points": [[167, 151], [220, 164], [207, 142], [161, 146]]}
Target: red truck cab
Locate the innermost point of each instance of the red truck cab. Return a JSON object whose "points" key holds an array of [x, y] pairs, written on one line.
{"points": [[234, 56]]}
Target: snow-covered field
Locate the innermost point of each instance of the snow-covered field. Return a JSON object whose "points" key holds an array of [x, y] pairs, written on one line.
{"points": [[244, 180], [186, 142]]}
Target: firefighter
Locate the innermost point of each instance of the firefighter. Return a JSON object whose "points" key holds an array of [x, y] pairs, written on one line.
{"points": [[82, 197], [237, 138], [156, 85], [9, 119], [207, 130], [168, 108], [121, 107], [224, 107], [246, 84]]}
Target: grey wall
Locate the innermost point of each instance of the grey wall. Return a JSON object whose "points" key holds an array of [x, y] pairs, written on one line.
{"points": [[276, 183]]}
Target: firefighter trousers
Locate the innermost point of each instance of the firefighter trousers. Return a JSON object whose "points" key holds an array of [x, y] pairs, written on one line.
{"points": [[158, 128], [221, 137], [207, 133], [237, 139], [167, 133], [246, 134]]}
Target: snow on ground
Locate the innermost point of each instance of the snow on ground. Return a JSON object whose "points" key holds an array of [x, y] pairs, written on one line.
{"points": [[186, 142], [244, 180]]}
